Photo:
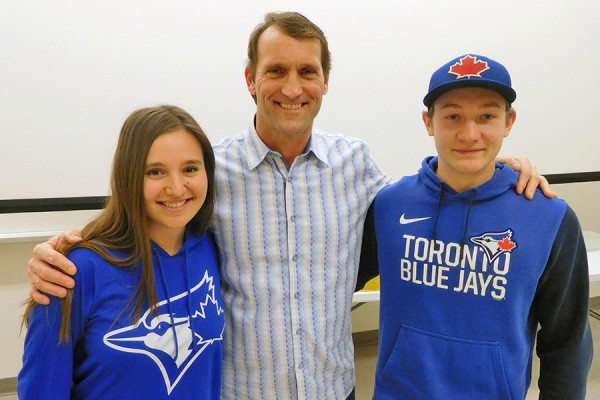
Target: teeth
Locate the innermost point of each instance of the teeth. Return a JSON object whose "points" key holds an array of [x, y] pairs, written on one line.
{"points": [[290, 106], [174, 205]]}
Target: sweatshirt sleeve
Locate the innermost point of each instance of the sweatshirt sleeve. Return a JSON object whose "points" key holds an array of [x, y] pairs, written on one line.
{"points": [[564, 341], [47, 371], [47, 365], [369, 263]]}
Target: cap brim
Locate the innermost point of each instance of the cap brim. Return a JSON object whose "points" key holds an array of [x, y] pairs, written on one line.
{"points": [[507, 92]]}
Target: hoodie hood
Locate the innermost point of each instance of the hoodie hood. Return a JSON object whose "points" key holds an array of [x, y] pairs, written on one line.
{"points": [[505, 178]]}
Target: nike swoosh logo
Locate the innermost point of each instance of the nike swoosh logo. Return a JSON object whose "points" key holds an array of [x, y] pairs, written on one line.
{"points": [[405, 221]]}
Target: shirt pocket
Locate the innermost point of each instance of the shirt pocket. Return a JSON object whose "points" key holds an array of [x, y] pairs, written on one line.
{"points": [[427, 365]]}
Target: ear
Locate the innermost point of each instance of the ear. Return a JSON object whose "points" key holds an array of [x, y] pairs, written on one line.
{"points": [[325, 88], [250, 81], [428, 123], [510, 122]]}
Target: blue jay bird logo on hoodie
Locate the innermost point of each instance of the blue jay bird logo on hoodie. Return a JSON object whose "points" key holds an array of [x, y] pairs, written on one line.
{"points": [[175, 335], [494, 244]]}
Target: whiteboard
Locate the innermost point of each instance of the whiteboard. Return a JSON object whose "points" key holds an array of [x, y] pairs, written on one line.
{"points": [[72, 71]]}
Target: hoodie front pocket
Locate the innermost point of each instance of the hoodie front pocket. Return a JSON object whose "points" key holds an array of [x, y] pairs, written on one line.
{"points": [[426, 365]]}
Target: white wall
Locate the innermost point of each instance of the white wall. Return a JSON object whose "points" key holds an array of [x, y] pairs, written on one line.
{"points": [[73, 70], [583, 199], [14, 290]]}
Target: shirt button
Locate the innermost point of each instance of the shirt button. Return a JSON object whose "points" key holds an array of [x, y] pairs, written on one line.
{"points": [[289, 179], [300, 366], [296, 295], [292, 218], [294, 258], [298, 331]]}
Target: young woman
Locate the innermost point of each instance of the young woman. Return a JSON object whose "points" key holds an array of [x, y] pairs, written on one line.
{"points": [[145, 319]]}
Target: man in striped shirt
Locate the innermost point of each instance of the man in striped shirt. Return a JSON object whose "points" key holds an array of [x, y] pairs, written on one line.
{"points": [[291, 201], [288, 225]]}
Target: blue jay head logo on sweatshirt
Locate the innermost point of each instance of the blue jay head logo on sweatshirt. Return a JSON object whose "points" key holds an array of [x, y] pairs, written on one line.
{"points": [[175, 336], [495, 243]]}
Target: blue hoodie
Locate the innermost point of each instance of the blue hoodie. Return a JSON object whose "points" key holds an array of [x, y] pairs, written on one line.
{"points": [[465, 280], [176, 354]]}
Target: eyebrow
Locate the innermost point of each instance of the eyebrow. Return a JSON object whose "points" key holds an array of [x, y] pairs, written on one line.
{"points": [[273, 65], [491, 104], [188, 162], [276, 64]]}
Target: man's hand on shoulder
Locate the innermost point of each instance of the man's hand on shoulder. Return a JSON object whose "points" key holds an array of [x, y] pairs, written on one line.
{"points": [[529, 178], [50, 271]]}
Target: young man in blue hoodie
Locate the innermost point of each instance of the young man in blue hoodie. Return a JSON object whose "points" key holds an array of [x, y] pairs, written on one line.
{"points": [[469, 269]]}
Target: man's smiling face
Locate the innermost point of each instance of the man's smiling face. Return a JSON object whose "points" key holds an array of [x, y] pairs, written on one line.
{"points": [[288, 85]]}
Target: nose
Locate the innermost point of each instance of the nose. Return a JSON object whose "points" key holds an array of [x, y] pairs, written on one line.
{"points": [[292, 87], [175, 186], [469, 131]]}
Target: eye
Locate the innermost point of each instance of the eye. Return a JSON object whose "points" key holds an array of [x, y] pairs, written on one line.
{"points": [[453, 117], [191, 169], [488, 116], [275, 71], [154, 172], [308, 71]]}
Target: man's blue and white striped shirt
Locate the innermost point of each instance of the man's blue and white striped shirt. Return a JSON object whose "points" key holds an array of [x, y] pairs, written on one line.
{"points": [[289, 241]]}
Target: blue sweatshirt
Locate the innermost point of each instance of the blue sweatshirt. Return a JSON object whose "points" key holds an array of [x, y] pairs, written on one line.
{"points": [[465, 280], [175, 354]]}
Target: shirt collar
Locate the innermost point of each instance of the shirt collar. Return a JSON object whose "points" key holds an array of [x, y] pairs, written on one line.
{"points": [[257, 150], [318, 147]]}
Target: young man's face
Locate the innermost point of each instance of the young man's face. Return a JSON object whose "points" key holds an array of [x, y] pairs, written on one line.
{"points": [[288, 84], [468, 126]]}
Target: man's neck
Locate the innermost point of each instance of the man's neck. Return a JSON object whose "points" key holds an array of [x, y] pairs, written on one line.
{"points": [[289, 146]]}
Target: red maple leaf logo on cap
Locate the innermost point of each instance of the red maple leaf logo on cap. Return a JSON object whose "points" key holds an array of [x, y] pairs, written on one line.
{"points": [[506, 244], [468, 66]]}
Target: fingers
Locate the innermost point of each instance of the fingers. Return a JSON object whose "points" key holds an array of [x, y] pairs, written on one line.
{"points": [[72, 235], [531, 187], [37, 296], [513, 162], [48, 280], [521, 165], [539, 181], [48, 268], [68, 237], [545, 187], [528, 177], [521, 184], [38, 270], [44, 256]]}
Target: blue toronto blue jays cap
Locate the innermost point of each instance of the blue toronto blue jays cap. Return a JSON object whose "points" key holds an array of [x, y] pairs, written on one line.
{"points": [[470, 70]]}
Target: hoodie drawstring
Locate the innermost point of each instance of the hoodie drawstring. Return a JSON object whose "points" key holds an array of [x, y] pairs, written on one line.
{"points": [[437, 216], [437, 213], [164, 283], [189, 300], [464, 238]]}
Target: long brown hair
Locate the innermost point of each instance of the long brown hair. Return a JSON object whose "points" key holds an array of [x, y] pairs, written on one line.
{"points": [[122, 225]]}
